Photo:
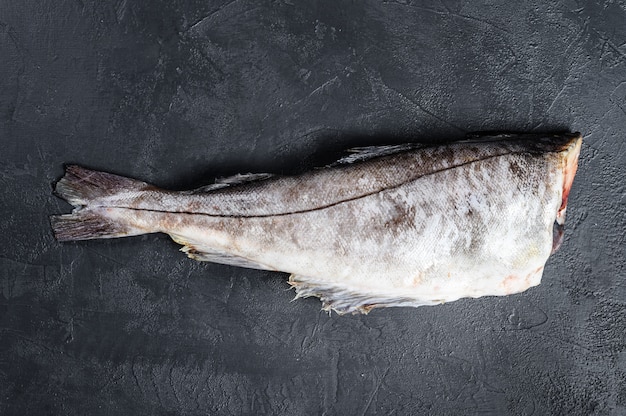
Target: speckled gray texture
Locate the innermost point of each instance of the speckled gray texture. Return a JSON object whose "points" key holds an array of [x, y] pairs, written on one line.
{"points": [[178, 92]]}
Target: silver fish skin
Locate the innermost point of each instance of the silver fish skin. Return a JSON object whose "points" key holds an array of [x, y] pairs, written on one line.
{"points": [[404, 225]]}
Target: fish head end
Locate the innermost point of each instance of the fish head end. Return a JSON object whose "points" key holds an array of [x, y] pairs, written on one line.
{"points": [[569, 165]]}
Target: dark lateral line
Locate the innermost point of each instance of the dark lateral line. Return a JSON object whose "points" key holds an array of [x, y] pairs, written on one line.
{"points": [[281, 214]]}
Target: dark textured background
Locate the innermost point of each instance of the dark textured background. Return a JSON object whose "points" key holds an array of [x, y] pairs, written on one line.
{"points": [[177, 92]]}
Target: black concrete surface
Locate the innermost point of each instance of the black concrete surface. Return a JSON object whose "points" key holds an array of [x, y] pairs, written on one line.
{"points": [[178, 92]]}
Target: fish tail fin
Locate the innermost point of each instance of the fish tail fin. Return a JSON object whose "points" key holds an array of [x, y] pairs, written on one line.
{"points": [[82, 187], [88, 224], [96, 212]]}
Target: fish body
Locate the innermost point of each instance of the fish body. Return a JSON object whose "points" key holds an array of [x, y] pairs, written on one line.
{"points": [[387, 226]]}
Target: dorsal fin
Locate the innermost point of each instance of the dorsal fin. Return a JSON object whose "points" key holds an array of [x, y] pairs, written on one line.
{"points": [[358, 154], [242, 178], [233, 180]]}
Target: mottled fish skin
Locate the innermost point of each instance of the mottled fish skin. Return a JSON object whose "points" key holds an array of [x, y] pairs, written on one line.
{"points": [[418, 225]]}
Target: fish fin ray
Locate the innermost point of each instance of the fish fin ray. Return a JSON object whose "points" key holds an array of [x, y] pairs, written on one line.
{"points": [[359, 154], [81, 186], [87, 224], [232, 181], [222, 258], [243, 178], [343, 299], [215, 256]]}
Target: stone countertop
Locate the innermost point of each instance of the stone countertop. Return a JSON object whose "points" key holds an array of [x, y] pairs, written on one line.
{"points": [[179, 92]]}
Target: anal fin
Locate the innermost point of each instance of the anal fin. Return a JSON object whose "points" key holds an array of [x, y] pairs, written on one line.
{"points": [[211, 255], [222, 258], [344, 299]]}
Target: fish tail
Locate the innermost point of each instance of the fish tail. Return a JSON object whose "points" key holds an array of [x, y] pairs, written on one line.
{"points": [[96, 213], [81, 186], [88, 224]]}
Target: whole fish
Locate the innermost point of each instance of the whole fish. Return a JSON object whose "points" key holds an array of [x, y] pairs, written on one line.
{"points": [[403, 225]]}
